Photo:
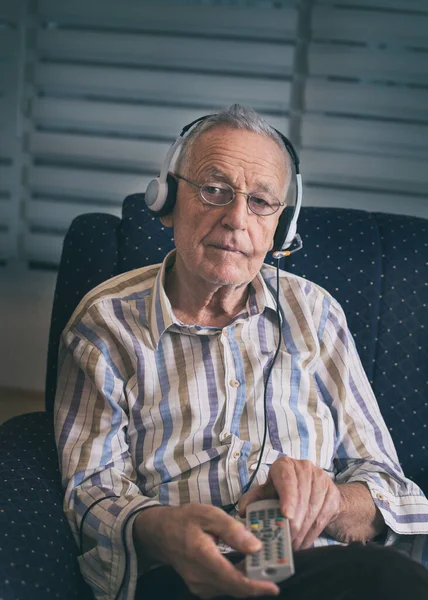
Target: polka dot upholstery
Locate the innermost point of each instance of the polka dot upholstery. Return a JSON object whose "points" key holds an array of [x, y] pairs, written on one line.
{"points": [[143, 240], [401, 366], [89, 257], [37, 550], [341, 253], [38, 555], [374, 264]]}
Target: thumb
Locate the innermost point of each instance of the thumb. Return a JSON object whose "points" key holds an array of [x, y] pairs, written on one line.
{"points": [[259, 492]]}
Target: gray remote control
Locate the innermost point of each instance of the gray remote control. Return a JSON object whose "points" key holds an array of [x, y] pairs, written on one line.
{"points": [[274, 562]]}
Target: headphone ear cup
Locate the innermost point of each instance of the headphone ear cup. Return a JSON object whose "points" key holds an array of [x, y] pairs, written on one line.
{"points": [[282, 229], [170, 199]]}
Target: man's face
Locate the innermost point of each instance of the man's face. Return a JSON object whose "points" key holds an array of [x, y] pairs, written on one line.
{"points": [[226, 245]]}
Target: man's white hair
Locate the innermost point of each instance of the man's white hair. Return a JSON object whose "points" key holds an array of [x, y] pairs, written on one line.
{"points": [[235, 116]]}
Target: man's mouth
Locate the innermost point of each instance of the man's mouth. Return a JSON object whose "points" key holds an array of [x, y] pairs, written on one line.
{"points": [[227, 248]]}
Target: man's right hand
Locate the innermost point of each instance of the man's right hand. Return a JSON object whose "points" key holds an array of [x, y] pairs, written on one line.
{"points": [[184, 537]]}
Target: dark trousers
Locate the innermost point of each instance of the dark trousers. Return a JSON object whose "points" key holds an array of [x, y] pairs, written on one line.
{"points": [[358, 571]]}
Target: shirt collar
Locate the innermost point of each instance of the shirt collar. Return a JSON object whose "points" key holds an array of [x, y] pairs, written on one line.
{"points": [[259, 297], [162, 316]]}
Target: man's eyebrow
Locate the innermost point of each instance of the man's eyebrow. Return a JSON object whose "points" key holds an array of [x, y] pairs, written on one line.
{"points": [[217, 173]]}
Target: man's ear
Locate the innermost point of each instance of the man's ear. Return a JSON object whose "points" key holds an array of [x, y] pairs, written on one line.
{"points": [[167, 220]]}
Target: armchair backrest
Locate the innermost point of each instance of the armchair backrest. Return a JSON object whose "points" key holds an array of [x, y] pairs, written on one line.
{"points": [[374, 264]]}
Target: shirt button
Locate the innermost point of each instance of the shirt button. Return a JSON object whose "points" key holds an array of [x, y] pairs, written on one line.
{"points": [[379, 496], [234, 383], [236, 454]]}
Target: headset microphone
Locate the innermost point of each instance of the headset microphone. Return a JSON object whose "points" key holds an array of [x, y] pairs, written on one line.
{"points": [[278, 254]]}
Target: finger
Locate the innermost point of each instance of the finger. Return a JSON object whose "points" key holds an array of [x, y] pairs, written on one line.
{"points": [[235, 583], [327, 512], [316, 517], [241, 567], [218, 524], [255, 587], [259, 492], [238, 537], [253, 495], [284, 479], [300, 496], [214, 575]]}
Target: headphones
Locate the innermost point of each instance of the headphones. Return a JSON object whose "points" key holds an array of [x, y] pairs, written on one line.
{"points": [[161, 194]]}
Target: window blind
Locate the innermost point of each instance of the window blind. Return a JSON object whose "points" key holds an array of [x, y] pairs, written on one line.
{"points": [[93, 92], [365, 114], [112, 86], [10, 61]]}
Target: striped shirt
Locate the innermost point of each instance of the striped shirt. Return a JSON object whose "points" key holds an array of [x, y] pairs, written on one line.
{"points": [[153, 411]]}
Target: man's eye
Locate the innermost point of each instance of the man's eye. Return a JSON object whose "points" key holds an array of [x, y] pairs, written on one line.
{"points": [[260, 201], [215, 190]]}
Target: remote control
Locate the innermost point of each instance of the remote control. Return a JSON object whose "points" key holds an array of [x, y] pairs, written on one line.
{"points": [[274, 561]]}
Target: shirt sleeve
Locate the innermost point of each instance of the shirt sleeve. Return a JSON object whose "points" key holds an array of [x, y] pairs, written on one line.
{"points": [[102, 497], [364, 448]]}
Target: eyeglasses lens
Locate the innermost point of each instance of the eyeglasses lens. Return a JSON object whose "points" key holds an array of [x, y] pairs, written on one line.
{"points": [[217, 193], [263, 204], [220, 194]]}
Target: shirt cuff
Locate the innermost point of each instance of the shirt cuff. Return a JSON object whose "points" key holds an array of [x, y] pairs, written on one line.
{"points": [[404, 512], [124, 577]]}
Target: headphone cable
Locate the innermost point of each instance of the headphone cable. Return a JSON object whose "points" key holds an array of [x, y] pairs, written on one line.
{"points": [[230, 507]]}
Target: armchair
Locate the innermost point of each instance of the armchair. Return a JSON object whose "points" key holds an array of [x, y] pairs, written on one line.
{"points": [[376, 266]]}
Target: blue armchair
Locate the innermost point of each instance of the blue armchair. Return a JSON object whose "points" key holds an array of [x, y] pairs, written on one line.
{"points": [[374, 264]]}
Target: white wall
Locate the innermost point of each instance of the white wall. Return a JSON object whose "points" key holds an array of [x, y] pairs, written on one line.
{"points": [[25, 306]]}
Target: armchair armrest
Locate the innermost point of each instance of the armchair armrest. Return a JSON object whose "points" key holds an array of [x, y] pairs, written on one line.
{"points": [[38, 555]]}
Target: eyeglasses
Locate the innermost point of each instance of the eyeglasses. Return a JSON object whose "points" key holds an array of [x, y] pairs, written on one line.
{"points": [[219, 193]]}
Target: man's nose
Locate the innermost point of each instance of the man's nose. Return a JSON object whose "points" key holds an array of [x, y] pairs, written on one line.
{"points": [[237, 212]]}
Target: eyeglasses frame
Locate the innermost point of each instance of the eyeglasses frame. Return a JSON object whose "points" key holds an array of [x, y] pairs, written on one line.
{"points": [[234, 192]]}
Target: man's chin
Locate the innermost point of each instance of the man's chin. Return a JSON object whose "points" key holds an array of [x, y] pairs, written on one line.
{"points": [[226, 276]]}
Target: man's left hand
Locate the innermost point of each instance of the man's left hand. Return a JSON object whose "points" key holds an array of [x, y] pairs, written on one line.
{"points": [[308, 498]]}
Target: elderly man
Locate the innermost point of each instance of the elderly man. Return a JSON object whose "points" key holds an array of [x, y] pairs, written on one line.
{"points": [[163, 391]]}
